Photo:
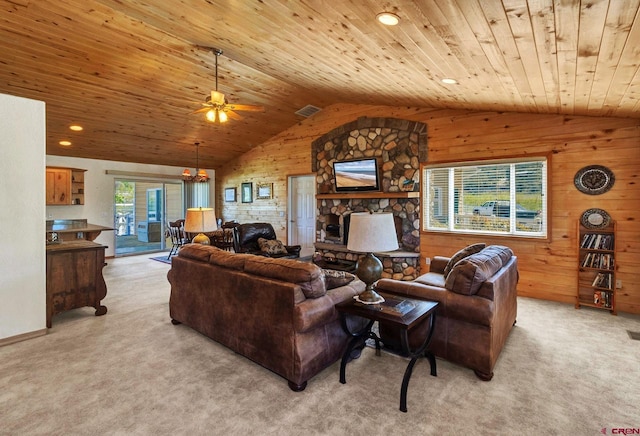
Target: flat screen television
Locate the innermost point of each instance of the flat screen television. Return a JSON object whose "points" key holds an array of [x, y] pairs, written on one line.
{"points": [[356, 175]]}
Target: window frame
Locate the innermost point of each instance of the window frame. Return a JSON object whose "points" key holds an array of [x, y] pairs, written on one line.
{"points": [[544, 231]]}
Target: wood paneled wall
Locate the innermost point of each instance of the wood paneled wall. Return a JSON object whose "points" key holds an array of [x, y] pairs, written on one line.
{"points": [[548, 268]]}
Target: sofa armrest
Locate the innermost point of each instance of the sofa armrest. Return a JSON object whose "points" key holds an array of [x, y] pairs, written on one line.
{"points": [[438, 264], [416, 290], [314, 312]]}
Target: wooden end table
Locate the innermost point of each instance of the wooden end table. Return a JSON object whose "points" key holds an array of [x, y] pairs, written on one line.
{"points": [[396, 311]]}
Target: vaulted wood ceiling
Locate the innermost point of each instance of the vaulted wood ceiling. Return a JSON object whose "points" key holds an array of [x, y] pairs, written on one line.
{"points": [[131, 72]]}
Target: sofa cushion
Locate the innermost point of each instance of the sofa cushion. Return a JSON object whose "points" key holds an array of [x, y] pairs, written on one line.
{"points": [[271, 246], [197, 251], [304, 274], [461, 254], [334, 279], [431, 279], [468, 274]]}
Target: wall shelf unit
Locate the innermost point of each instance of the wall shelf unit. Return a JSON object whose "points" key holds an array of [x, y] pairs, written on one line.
{"points": [[597, 267]]}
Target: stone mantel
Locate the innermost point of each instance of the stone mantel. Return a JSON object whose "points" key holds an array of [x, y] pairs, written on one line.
{"points": [[344, 249], [350, 195]]}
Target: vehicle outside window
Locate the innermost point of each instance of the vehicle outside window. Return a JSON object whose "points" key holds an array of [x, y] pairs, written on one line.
{"points": [[502, 209]]}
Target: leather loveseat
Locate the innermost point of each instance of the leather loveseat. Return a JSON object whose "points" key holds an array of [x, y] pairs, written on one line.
{"points": [[280, 313], [247, 239], [478, 306]]}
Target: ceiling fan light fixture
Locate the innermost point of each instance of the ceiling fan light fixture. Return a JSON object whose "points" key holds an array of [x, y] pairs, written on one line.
{"points": [[216, 108], [217, 97], [388, 18]]}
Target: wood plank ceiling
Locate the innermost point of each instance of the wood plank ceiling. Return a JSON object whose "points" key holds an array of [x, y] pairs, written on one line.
{"points": [[130, 72]]}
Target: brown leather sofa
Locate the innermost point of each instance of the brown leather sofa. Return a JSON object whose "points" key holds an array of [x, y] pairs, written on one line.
{"points": [[246, 236], [477, 310], [277, 312]]}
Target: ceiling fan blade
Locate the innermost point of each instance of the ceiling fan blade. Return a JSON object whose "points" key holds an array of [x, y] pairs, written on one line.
{"points": [[233, 115], [199, 111], [246, 107]]}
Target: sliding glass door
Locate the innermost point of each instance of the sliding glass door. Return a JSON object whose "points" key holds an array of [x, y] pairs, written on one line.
{"points": [[143, 210]]}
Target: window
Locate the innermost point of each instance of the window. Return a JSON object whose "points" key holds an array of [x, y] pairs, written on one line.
{"points": [[196, 194], [497, 197]]}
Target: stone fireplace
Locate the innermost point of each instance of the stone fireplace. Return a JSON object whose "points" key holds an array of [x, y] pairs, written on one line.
{"points": [[399, 146]]}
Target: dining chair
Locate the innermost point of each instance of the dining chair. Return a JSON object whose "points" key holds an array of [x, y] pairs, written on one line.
{"points": [[178, 236]]}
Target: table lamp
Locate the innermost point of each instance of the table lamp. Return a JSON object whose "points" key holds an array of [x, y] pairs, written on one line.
{"points": [[368, 233], [200, 220]]}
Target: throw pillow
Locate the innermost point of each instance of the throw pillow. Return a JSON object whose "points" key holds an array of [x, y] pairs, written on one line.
{"points": [[271, 246], [335, 279], [461, 254]]}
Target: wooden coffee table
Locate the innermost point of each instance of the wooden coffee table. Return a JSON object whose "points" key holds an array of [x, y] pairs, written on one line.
{"points": [[397, 311]]}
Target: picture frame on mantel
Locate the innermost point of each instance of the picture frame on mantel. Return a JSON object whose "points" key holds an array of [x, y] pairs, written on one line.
{"points": [[246, 192], [230, 194], [264, 191]]}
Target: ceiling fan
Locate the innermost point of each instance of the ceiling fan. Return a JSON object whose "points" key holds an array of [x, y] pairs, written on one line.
{"points": [[217, 109]]}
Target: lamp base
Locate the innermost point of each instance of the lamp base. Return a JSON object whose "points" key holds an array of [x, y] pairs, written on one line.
{"points": [[369, 270], [201, 238], [369, 297]]}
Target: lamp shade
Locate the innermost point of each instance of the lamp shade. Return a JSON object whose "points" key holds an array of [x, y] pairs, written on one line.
{"points": [[372, 232], [200, 219]]}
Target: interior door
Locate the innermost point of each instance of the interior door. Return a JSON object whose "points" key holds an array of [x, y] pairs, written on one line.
{"points": [[302, 213]]}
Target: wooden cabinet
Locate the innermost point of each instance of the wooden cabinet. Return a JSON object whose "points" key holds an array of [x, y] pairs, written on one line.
{"points": [[65, 186], [74, 277], [597, 267]]}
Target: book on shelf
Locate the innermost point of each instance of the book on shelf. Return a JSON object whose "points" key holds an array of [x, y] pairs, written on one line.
{"points": [[602, 298], [602, 280], [597, 241]]}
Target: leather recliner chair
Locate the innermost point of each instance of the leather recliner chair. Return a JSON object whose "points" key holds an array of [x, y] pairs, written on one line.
{"points": [[245, 240]]}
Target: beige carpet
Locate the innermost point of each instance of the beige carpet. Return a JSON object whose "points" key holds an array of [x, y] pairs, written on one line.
{"points": [[131, 372]]}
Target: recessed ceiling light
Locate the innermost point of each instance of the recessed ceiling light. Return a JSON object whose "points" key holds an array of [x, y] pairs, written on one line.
{"points": [[388, 19], [449, 81], [65, 143], [76, 128]]}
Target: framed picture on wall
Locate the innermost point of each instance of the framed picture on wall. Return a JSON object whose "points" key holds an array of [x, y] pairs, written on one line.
{"points": [[246, 191], [265, 190], [230, 194]]}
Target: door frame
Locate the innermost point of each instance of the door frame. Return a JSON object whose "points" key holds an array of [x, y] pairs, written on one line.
{"points": [[162, 183]]}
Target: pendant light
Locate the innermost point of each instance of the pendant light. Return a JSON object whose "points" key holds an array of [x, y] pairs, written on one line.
{"points": [[201, 174]]}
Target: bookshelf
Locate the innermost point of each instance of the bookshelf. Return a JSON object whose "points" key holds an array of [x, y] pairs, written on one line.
{"points": [[597, 267]]}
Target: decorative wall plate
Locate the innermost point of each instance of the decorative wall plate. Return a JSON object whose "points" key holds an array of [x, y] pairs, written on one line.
{"points": [[595, 218], [594, 179]]}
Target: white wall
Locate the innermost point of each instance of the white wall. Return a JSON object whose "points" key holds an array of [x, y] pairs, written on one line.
{"points": [[99, 191], [22, 196]]}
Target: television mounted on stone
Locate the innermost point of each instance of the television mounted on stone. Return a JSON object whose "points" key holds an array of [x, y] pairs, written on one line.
{"points": [[356, 175]]}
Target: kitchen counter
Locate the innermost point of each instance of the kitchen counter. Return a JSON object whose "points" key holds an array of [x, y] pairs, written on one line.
{"points": [[69, 230]]}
